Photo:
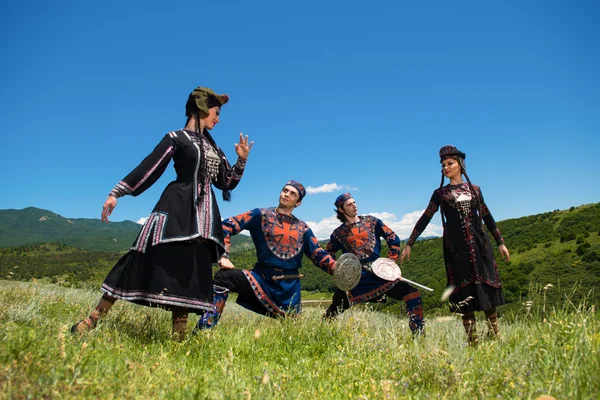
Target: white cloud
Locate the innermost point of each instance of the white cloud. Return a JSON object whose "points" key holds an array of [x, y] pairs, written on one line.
{"points": [[402, 227], [405, 225], [323, 228], [328, 188]]}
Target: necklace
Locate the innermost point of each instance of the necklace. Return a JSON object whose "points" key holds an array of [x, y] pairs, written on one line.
{"points": [[462, 199], [211, 158]]}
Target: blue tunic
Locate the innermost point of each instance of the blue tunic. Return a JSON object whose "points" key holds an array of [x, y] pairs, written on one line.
{"points": [[280, 241]]}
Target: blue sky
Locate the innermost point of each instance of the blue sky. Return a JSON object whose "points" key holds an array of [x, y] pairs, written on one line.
{"points": [[337, 95]]}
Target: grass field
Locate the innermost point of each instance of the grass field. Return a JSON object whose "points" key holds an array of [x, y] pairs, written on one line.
{"points": [[362, 355]]}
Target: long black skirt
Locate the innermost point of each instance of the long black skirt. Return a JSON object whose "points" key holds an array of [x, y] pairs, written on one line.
{"points": [[476, 297], [169, 276]]}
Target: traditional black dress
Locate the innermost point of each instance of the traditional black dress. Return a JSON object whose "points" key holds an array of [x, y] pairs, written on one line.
{"points": [[468, 253], [170, 262]]}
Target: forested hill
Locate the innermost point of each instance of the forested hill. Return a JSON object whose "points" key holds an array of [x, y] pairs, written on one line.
{"points": [[561, 248], [35, 226]]}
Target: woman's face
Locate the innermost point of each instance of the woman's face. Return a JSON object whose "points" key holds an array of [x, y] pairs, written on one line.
{"points": [[451, 168], [212, 119]]}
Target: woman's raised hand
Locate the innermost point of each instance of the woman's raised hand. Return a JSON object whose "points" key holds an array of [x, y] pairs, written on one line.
{"points": [[242, 148]]}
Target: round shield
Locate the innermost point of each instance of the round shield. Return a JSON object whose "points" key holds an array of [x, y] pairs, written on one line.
{"points": [[386, 268], [346, 274]]}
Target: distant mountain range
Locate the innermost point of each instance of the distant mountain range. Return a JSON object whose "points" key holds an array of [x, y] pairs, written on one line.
{"points": [[560, 248], [34, 225]]}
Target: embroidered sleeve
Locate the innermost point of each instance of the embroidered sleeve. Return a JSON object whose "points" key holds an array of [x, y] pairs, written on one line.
{"points": [[489, 220], [333, 246], [434, 204], [149, 170], [393, 241], [234, 225], [229, 176], [317, 255]]}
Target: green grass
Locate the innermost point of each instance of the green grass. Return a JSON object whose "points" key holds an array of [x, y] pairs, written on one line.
{"points": [[362, 355]]}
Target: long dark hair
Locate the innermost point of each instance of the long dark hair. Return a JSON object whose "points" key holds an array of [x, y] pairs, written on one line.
{"points": [[341, 216]]}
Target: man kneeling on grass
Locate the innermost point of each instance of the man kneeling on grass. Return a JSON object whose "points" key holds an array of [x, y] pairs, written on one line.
{"points": [[272, 287]]}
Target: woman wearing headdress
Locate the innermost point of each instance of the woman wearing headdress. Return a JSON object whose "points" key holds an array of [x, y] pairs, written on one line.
{"points": [[170, 263], [471, 269]]}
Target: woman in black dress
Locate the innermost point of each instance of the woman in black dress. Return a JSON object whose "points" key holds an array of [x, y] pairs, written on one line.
{"points": [[470, 265], [170, 263]]}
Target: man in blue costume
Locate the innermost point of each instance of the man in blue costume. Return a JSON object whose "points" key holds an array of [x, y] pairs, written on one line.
{"points": [[272, 287], [361, 235]]}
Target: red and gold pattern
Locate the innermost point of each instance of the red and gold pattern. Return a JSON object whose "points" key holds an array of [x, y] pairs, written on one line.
{"points": [[283, 234], [358, 238], [363, 239]]}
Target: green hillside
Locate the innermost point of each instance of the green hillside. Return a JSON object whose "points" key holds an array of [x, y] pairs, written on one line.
{"points": [[34, 226], [561, 248], [56, 263], [360, 355]]}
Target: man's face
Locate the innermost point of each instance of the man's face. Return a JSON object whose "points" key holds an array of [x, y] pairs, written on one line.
{"points": [[289, 197], [349, 208]]}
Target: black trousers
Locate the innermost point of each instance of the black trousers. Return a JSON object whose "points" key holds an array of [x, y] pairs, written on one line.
{"points": [[340, 301], [236, 281]]}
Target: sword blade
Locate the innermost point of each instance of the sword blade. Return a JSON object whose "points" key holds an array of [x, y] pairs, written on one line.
{"points": [[416, 284]]}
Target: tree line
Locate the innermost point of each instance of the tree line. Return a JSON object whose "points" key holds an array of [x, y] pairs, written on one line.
{"points": [[561, 248]]}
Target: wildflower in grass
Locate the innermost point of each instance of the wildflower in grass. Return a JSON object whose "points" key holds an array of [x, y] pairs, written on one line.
{"points": [[265, 378], [447, 293], [61, 344]]}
